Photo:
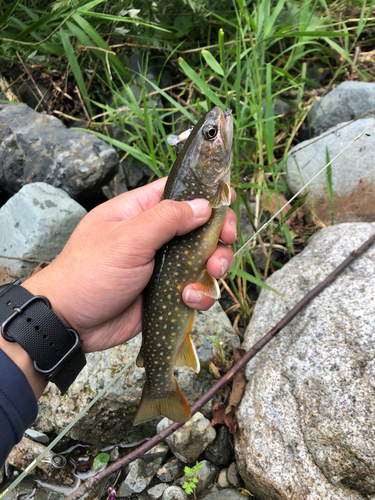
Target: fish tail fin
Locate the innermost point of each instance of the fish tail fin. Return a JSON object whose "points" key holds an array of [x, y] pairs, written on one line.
{"points": [[174, 406]]}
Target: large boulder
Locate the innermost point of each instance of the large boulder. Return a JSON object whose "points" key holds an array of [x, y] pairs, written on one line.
{"points": [[35, 224], [39, 148], [306, 421], [353, 173], [111, 418], [347, 101]]}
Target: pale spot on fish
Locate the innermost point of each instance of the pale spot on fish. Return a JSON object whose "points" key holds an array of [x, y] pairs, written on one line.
{"points": [[186, 271], [179, 287], [186, 252], [169, 296], [164, 306], [190, 262]]}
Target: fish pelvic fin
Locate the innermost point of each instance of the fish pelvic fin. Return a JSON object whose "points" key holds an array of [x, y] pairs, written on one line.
{"points": [[222, 196], [208, 285], [140, 361], [187, 354], [174, 406]]}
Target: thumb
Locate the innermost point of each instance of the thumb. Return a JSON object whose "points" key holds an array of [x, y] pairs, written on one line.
{"points": [[167, 219]]}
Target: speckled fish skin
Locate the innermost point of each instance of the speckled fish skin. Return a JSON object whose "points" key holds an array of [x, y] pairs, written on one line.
{"points": [[202, 170]]}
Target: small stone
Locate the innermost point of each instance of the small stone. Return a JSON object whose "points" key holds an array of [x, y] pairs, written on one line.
{"points": [[141, 471], [157, 491], [234, 476], [37, 436], [220, 451], [227, 494], [223, 479], [174, 493], [171, 470], [26, 451], [189, 442], [114, 455]]}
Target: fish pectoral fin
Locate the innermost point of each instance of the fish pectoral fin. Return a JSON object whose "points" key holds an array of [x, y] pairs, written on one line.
{"points": [[187, 355], [209, 285], [222, 196], [140, 361], [174, 406]]}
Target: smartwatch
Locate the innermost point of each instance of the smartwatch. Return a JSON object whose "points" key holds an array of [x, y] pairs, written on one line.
{"points": [[28, 320]]}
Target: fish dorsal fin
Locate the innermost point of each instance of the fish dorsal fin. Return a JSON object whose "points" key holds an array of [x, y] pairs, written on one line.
{"points": [[187, 355], [208, 285], [222, 196], [140, 361]]}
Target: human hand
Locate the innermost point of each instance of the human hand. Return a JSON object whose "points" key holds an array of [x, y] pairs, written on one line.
{"points": [[94, 285]]}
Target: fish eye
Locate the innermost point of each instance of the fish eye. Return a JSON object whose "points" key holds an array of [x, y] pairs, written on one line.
{"points": [[210, 132]]}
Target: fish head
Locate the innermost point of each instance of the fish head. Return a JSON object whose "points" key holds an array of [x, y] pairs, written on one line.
{"points": [[214, 147], [205, 159]]}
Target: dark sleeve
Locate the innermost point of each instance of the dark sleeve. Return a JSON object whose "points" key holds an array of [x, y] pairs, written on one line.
{"points": [[18, 405]]}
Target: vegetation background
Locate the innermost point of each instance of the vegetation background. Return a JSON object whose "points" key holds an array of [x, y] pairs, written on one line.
{"points": [[134, 72]]}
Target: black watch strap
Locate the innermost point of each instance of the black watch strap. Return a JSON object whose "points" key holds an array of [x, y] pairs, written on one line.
{"points": [[28, 320]]}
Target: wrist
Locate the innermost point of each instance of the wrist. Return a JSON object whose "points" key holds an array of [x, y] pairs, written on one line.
{"points": [[43, 347]]}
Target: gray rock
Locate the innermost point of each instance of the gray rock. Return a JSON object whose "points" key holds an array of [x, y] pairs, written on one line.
{"points": [[234, 476], [157, 491], [190, 440], [220, 451], [39, 148], [111, 419], [24, 452], [37, 436], [205, 475], [36, 223], [347, 101], [141, 471], [227, 494], [305, 422], [171, 470], [353, 173], [174, 493], [222, 480]]}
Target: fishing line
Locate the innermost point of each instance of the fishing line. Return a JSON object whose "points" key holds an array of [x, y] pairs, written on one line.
{"points": [[33, 464], [301, 190]]}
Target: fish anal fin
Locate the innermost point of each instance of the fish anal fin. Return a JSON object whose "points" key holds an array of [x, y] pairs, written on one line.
{"points": [[187, 355], [140, 361], [208, 285], [222, 196], [173, 405]]}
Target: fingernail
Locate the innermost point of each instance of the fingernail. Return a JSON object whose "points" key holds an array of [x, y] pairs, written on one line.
{"points": [[193, 296], [234, 226], [224, 265], [200, 207]]}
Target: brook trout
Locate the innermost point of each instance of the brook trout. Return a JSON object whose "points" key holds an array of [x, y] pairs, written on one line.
{"points": [[201, 170]]}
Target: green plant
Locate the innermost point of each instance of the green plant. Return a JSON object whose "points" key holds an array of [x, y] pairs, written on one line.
{"points": [[219, 345], [191, 478]]}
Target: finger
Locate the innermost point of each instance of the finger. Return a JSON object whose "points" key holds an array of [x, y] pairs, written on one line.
{"points": [[220, 261], [132, 203], [233, 195], [167, 219], [196, 299], [228, 232]]}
